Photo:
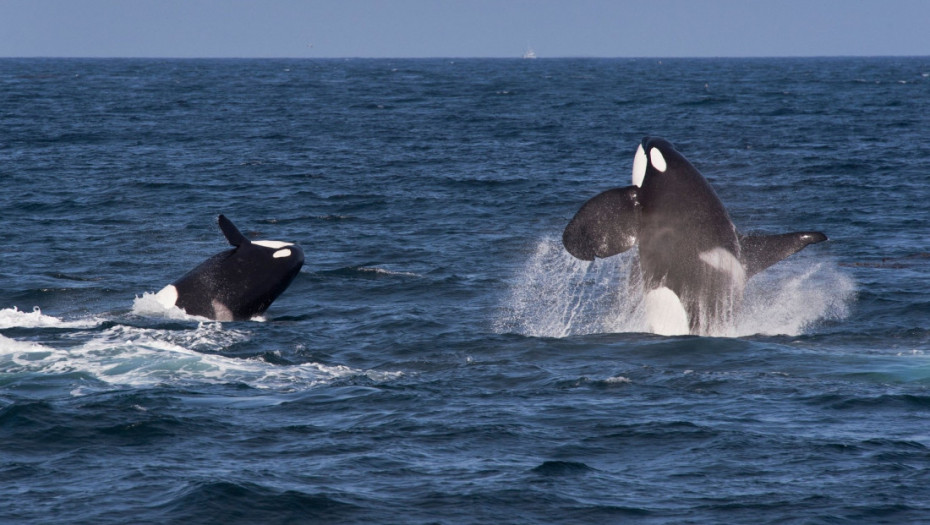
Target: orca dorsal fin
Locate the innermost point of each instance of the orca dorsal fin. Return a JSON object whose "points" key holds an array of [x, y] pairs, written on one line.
{"points": [[606, 225], [761, 251], [233, 235]]}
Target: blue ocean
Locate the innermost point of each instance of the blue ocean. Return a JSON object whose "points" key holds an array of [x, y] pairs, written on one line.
{"points": [[441, 358]]}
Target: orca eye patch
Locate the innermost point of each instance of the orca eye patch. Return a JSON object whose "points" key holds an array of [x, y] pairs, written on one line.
{"points": [[282, 253], [658, 161]]}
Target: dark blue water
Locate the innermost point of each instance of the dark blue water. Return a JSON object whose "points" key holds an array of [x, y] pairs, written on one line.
{"points": [[440, 358]]}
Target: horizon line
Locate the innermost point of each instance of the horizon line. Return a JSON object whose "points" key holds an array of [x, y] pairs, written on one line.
{"points": [[516, 57]]}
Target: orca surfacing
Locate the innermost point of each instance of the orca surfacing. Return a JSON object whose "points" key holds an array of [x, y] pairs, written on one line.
{"points": [[237, 284], [693, 261]]}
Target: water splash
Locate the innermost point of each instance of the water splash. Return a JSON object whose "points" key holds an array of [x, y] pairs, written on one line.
{"points": [[146, 357], [15, 318], [792, 296], [149, 306], [556, 295]]}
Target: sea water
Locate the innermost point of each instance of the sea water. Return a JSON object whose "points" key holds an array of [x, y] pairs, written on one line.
{"points": [[440, 358]]}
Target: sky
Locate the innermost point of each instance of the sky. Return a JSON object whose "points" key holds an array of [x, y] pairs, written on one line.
{"points": [[463, 28]]}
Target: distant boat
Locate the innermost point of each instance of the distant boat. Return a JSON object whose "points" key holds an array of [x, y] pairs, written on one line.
{"points": [[529, 53]]}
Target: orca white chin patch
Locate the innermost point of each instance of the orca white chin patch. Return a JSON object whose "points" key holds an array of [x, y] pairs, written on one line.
{"points": [[639, 167], [167, 296], [665, 315], [274, 245]]}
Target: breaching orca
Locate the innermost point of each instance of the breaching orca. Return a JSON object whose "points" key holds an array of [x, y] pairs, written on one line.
{"points": [[237, 284], [694, 263]]}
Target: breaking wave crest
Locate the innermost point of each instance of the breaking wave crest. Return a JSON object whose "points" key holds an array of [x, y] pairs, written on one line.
{"points": [[557, 295], [15, 318]]}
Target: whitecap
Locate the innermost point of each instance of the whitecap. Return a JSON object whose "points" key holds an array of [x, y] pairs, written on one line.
{"points": [[13, 347], [15, 318], [618, 380], [383, 271]]}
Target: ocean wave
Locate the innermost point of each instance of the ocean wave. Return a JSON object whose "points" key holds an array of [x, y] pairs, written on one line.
{"points": [[384, 271], [371, 272], [203, 501], [562, 468]]}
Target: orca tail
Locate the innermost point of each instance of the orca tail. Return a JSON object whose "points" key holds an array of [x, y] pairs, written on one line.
{"points": [[761, 251], [606, 225], [233, 235]]}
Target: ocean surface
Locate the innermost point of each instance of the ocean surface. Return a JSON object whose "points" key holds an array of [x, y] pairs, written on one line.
{"points": [[440, 358]]}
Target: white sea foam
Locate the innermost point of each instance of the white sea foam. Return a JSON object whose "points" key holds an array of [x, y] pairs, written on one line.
{"points": [[146, 357], [556, 295], [11, 347], [618, 380], [15, 318], [148, 305]]}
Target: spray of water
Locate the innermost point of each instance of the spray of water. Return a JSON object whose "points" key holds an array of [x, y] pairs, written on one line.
{"points": [[791, 297], [148, 305], [556, 295], [14, 317]]}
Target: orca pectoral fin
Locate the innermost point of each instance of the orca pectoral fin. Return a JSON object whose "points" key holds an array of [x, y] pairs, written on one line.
{"points": [[606, 225], [233, 235], [761, 251]]}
